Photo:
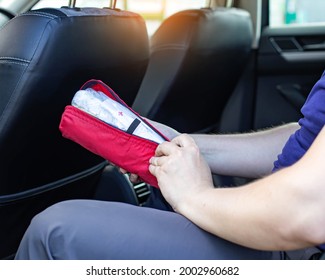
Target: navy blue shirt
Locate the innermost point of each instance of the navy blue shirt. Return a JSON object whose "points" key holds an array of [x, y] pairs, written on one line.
{"points": [[311, 123]]}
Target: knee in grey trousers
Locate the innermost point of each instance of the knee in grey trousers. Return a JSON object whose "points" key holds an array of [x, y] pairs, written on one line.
{"points": [[89, 229]]}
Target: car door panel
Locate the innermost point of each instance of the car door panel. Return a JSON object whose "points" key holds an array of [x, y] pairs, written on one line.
{"points": [[289, 62]]}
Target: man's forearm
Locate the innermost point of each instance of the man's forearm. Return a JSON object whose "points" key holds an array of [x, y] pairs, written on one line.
{"points": [[249, 155], [283, 211]]}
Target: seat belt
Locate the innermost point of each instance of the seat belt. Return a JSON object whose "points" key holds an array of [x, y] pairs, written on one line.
{"points": [[164, 64], [157, 81]]}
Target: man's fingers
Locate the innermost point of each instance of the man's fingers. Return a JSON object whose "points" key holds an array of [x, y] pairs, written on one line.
{"points": [[168, 148], [157, 161], [183, 140], [122, 170]]}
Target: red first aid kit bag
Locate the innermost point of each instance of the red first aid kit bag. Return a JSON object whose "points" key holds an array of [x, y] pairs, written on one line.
{"points": [[100, 121]]}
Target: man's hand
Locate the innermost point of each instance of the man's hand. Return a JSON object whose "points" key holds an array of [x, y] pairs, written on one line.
{"points": [[167, 131], [180, 169]]}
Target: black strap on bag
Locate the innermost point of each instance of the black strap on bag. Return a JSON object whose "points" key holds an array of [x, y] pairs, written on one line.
{"points": [[133, 126]]}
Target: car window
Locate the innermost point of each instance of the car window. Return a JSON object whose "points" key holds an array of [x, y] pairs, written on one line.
{"points": [[153, 11], [296, 12]]}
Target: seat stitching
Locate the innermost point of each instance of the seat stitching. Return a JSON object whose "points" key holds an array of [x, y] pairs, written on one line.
{"points": [[40, 14], [14, 58], [15, 62]]}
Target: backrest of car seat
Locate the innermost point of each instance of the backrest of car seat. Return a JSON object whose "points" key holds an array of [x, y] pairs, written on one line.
{"points": [[46, 55], [197, 57]]}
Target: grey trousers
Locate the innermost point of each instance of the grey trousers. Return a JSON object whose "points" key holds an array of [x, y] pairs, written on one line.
{"points": [[89, 229]]}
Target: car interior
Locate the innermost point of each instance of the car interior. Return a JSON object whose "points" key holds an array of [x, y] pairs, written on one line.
{"points": [[48, 54], [194, 66], [217, 68]]}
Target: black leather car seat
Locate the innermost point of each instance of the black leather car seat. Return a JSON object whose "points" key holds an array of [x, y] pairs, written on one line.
{"points": [[45, 57], [197, 57]]}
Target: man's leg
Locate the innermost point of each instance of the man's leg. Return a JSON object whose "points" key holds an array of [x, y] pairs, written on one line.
{"points": [[88, 229]]}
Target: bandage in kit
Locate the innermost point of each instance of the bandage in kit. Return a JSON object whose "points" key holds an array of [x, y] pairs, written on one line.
{"points": [[100, 121]]}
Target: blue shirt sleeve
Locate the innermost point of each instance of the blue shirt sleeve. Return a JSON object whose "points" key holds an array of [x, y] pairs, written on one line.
{"points": [[311, 123]]}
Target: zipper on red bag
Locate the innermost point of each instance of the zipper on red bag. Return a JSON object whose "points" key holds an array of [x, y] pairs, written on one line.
{"points": [[92, 83]]}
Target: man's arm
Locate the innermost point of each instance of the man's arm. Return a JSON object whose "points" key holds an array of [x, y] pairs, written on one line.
{"points": [[283, 211], [249, 155]]}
